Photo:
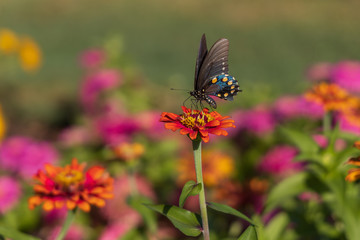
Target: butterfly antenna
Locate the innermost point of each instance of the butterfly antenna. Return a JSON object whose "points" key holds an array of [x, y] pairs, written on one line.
{"points": [[180, 89]]}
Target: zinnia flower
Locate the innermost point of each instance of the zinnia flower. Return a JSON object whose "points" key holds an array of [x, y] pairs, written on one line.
{"points": [[354, 174], [193, 122], [347, 75], [129, 151], [92, 58], [319, 72], [279, 161], [2, 125], [330, 97], [96, 83], [217, 167], [10, 192], [25, 156], [289, 107], [9, 42], [71, 187], [30, 54]]}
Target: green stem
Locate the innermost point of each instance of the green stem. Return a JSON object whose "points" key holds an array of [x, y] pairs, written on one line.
{"points": [[199, 179], [69, 218], [327, 123], [132, 178]]}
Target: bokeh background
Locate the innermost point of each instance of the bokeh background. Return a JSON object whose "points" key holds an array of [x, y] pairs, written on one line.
{"points": [[271, 45], [56, 108]]}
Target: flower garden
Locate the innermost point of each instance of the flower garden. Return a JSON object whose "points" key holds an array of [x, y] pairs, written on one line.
{"points": [[127, 164]]}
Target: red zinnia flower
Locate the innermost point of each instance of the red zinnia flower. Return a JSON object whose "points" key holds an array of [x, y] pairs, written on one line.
{"points": [[192, 122], [71, 186]]}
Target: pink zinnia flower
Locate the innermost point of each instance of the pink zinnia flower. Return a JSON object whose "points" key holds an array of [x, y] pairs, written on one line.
{"points": [[323, 142], [117, 208], [92, 58], [292, 107], [75, 136], [259, 120], [10, 192], [118, 229], [280, 161], [75, 232], [96, 83], [115, 128], [25, 156], [319, 71], [347, 75], [348, 126], [149, 123]]}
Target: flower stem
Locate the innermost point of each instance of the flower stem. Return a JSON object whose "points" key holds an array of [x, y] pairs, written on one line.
{"points": [[327, 123], [199, 179], [69, 218]]}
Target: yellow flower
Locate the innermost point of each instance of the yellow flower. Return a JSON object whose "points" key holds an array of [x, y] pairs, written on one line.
{"points": [[217, 167], [128, 151], [9, 42], [30, 54], [2, 125], [331, 97]]}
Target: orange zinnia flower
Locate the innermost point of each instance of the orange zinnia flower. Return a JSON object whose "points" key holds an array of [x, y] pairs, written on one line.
{"points": [[330, 96], [193, 122], [72, 187], [217, 167], [129, 151], [353, 174]]}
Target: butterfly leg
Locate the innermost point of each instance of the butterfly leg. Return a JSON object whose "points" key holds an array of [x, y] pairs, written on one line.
{"points": [[186, 101]]}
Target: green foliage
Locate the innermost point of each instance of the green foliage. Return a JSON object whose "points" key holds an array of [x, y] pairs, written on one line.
{"points": [[249, 234], [229, 210], [187, 222], [191, 188], [14, 234]]}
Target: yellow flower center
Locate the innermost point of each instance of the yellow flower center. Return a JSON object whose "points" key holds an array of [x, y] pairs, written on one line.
{"points": [[195, 118], [69, 177]]}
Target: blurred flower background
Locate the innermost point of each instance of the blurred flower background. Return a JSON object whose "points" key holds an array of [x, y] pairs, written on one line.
{"points": [[89, 80]]}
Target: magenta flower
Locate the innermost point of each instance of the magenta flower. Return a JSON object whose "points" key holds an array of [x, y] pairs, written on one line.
{"points": [[92, 58], [10, 192], [289, 107], [347, 75], [25, 156], [323, 142], [279, 161], [96, 83], [118, 229], [348, 126], [117, 209], [149, 123], [116, 128], [75, 232], [75, 136], [319, 71], [258, 121]]}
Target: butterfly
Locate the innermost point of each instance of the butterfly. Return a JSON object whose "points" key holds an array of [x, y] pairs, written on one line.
{"points": [[211, 73]]}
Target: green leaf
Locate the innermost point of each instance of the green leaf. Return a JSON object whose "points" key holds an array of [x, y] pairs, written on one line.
{"points": [[14, 234], [302, 140], [289, 187], [137, 202], [190, 188], [229, 210], [275, 229], [187, 222], [249, 234]]}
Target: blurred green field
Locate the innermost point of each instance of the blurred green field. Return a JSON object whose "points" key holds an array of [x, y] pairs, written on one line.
{"points": [[271, 43]]}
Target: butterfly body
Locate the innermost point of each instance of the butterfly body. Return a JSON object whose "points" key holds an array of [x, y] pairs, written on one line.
{"points": [[211, 73]]}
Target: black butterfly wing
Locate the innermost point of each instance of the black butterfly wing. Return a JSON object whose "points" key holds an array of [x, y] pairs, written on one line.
{"points": [[200, 58], [215, 63]]}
